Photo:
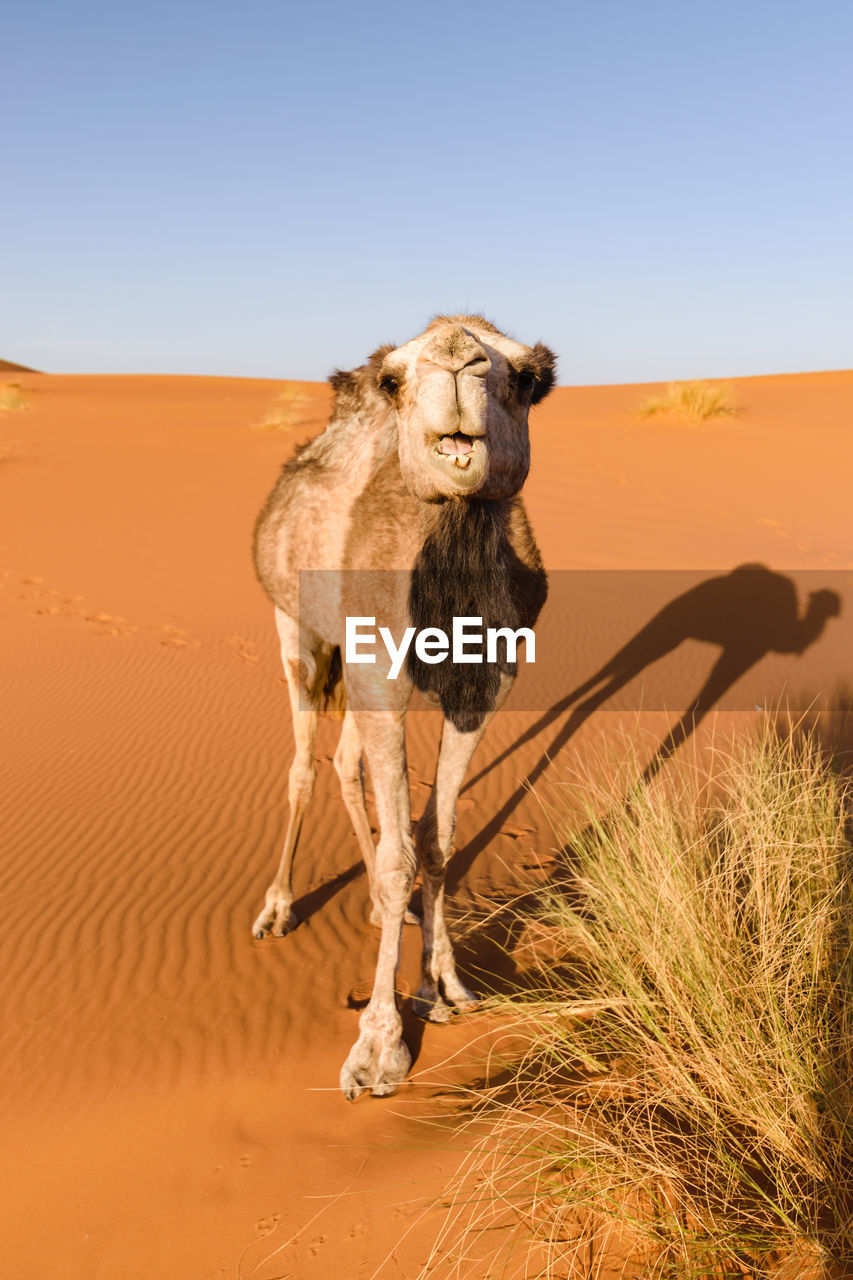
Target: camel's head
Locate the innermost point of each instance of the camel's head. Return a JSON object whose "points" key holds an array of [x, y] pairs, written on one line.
{"points": [[461, 392]]}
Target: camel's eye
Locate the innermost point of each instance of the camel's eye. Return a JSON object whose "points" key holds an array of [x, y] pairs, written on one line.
{"points": [[526, 379], [390, 385]]}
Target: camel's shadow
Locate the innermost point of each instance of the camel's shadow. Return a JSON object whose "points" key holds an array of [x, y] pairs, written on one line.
{"points": [[750, 612]]}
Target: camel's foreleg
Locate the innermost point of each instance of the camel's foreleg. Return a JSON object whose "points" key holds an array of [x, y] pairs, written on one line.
{"points": [[277, 915], [441, 986], [380, 1058]]}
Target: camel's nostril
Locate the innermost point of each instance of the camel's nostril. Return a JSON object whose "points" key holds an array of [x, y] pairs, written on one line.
{"points": [[477, 366], [455, 349]]}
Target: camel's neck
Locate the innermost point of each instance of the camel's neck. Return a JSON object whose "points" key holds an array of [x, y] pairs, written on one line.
{"points": [[361, 445]]}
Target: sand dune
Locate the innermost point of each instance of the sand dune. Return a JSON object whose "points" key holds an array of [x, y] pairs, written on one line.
{"points": [[8, 366], [169, 1084]]}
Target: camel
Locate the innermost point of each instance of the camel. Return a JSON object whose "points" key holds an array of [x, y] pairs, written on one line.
{"points": [[404, 510]]}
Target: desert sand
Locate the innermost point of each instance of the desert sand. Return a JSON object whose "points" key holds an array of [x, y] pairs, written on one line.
{"points": [[169, 1084]]}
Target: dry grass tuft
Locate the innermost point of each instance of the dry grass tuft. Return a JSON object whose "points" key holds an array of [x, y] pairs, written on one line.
{"points": [[292, 410], [692, 401], [687, 1083], [12, 398]]}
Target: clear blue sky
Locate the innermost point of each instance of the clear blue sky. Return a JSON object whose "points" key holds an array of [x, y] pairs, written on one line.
{"points": [[656, 189]]}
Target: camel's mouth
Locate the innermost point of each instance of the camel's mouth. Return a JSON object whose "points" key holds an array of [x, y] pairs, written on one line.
{"points": [[458, 448]]}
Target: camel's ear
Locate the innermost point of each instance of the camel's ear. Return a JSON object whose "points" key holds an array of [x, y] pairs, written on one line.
{"points": [[374, 361], [546, 372], [355, 388], [348, 387], [343, 382]]}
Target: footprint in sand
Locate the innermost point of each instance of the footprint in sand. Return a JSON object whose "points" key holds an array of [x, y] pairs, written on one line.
{"points": [[267, 1225], [538, 864], [514, 832], [242, 648], [109, 624], [53, 602], [175, 637]]}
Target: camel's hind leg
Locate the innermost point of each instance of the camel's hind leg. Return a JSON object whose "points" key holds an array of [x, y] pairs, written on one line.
{"points": [[349, 770], [441, 986], [277, 915], [348, 765]]}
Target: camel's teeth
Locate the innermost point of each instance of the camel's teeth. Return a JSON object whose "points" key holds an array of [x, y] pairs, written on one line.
{"points": [[462, 461]]}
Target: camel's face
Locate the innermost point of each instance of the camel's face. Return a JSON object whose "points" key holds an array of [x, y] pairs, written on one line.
{"points": [[462, 392]]}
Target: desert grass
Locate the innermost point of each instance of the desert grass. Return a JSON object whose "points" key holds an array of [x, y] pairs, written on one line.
{"points": [[290, 410], [692, 401], [683, 1102], [12, 398]]}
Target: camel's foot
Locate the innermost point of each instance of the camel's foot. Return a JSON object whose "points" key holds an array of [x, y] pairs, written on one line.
{"points": [[410, 917], [377, 1062], [434, 1006], [430, 1005], [457, 993], [277, 917]]}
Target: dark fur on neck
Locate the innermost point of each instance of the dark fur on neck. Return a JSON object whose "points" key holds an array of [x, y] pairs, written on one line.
{"points": [[467, 567]]}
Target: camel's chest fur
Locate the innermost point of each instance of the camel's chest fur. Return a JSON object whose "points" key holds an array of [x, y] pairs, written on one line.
{"points": [[477, 560]]}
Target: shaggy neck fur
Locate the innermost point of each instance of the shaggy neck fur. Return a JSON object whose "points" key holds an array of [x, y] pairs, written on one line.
{"points": [[468, 568]]}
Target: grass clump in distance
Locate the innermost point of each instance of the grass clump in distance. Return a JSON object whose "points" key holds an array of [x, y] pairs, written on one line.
{"points": [[686, 1086], [292, 409], [692, 401], [12, 398]]}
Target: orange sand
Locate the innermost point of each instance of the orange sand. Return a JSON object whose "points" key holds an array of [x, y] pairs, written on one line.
{"points": [[169, 1084]]}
